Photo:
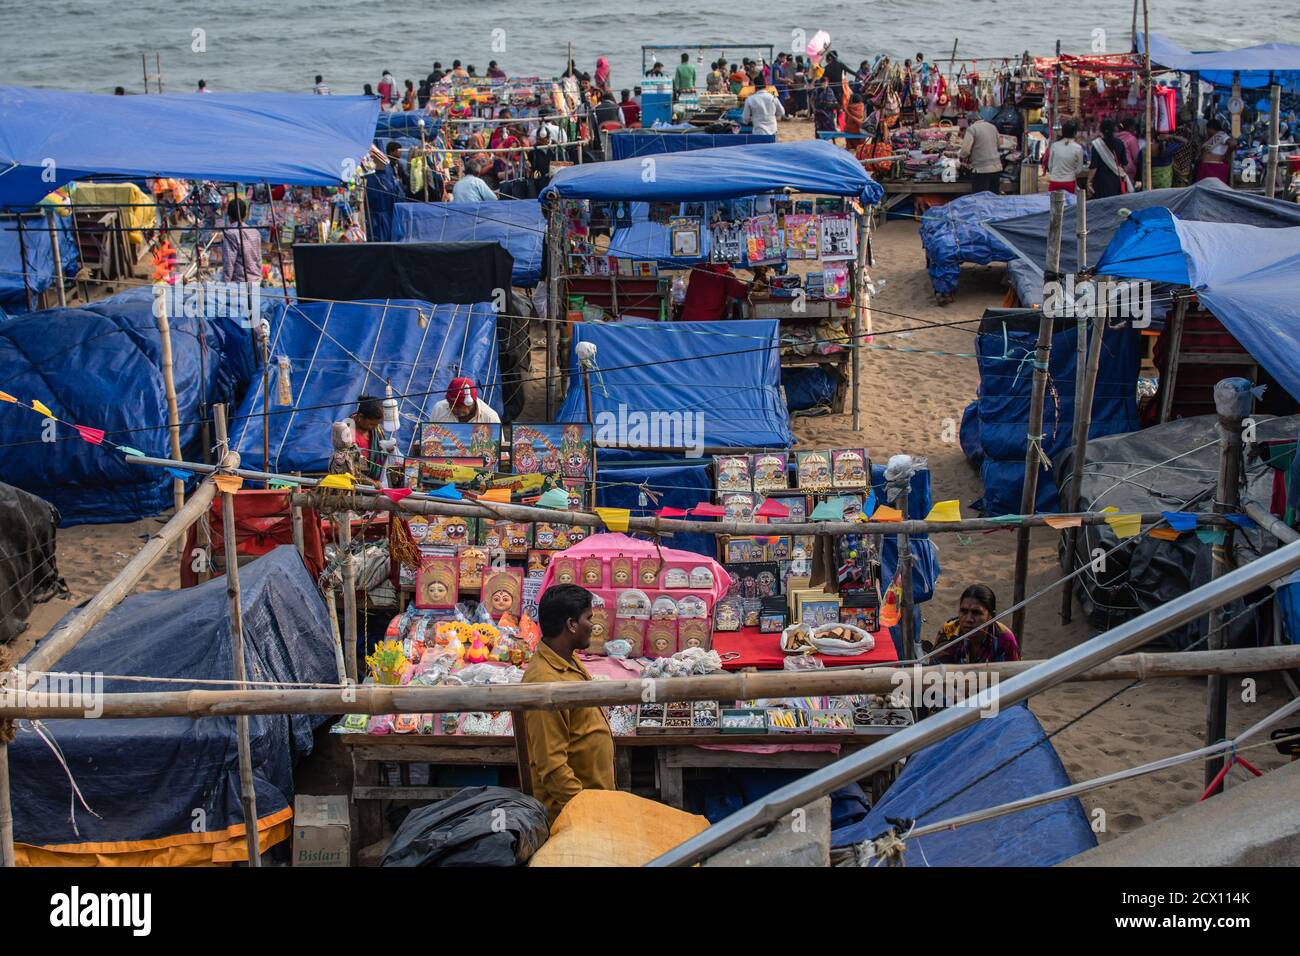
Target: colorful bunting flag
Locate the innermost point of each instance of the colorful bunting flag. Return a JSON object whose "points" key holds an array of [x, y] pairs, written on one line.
{"points": [[616, 519], [1241, 521], [228, 484], [945, 511], [1061, 522], [394, 494], [449, 492], [1165, 534], [93, 435], [830, 510], [128, 450], [1125, 525], [180, 473], [503, 496], [1211, 535], [1180, 520], [6, 397], [278, 484], [771, 508], [666, 512], [556, 498], [886, 513], [343, 482], [706, 510], [1009, 519], [39, 406]]}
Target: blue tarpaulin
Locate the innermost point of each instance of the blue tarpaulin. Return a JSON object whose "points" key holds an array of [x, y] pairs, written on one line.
{"points": [[994, 428], [100, 366], [294, 138], [1245, 275], [1257, 65], [660, 380], [954, 233], [964, 773], [151, 780], [407, 125], [925, 556], [518, 225], [727, 172], [625, 145], [339, 351], [680, 484], [40, 258]]}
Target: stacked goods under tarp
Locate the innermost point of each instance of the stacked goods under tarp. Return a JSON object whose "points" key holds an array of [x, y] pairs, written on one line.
{"points": [[973, 770], [954, 233], [29, 573], [994, 426], [626, 144], [100, 366], [337, 352], [164, 791], [1169, 467], [33, 272]]}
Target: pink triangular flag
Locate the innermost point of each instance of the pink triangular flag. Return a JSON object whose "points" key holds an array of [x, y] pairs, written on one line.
{"points": [[772, 508], [706, 510], [394, 494], [667, 512], [93, 435]]}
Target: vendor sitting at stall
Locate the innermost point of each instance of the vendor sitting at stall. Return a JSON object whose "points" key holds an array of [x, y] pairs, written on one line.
{"points": [[712, 289], [973, 637], [368, 433], [572, 749], [462, 405]]}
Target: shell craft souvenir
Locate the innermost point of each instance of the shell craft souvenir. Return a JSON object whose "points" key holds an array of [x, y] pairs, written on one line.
{"points": [[732, 473], [739, 505], [814, 470], [633, 603], [472, 560], [701, 578], [663, 608], [849, 468], [769, 472], [676, 578], [692, 607], [727, 616]]}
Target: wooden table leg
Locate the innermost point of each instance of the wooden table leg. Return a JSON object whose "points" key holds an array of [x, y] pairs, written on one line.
{"points": [[671, 785], [623, 769], [369, 813]]}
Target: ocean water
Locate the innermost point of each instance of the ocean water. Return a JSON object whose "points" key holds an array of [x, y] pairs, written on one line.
{"points": [[241, 45]]}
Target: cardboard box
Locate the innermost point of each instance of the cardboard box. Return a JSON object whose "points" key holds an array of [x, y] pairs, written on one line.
{"points": [[322, 831]]}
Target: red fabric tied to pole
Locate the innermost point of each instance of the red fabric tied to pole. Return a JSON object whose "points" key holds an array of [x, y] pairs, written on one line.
{"points": [[263, 522]]}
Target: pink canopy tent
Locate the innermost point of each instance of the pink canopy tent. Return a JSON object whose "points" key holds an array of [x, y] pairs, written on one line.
{"points": [[609, 545]]}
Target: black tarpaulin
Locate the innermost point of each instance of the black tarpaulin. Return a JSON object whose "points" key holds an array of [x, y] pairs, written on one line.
{"points": [[444, 273], [28, 571]]}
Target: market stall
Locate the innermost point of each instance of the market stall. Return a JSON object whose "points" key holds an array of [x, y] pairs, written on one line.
{"points": [[723, 207]]}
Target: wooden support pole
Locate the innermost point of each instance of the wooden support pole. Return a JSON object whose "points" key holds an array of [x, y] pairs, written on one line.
{"points": [[911, 645], [560, 695], [1150, 134], [247, 794], [52, 223], [1087, 364], [591, 423], [344, 550], [1236, 115], [1169, 375], [1232, 403], [1034, 437], [1274, 137], [339, 663], [861, 312], [6, 811], [169, 385], [295, 517], [554, 293]]}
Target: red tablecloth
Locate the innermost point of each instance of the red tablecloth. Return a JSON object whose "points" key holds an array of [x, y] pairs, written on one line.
{"points": [[764, 650]]}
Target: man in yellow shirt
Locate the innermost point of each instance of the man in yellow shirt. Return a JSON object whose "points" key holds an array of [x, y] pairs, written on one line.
{"points": [[568, 750]]}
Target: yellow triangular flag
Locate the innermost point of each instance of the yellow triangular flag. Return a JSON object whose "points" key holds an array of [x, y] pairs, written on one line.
{"points": [[1060, 522], [1125, 526], [1110, 510], [886, 513], [616, 519], [39, 406], [228, 484], [496, 494], [945, 511], [337, 481], [6, 397]]}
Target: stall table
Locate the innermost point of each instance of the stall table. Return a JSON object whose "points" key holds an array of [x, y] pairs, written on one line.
{"points": [[898, 190]]}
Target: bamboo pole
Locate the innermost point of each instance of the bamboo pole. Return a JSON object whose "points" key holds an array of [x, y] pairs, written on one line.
{"points": [[339, 663], [247, 793], [169, 384], [1236, 114], [7, 858], [1169, 377], [591, 423], [860, 310], [22, 254], [555, 302], [296, 518], [1034, 437], [394, 699], [349, 593], [1274, 136], [58, 255], [907, 600], [1228, 405], [1150, 134]]}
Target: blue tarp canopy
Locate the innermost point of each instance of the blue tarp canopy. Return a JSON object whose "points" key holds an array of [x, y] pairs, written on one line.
{"points": [[630, 143], [406, 125], [295, 138], [964, 773], [954, 233], [518, 225], [995, 425], [146, 778], [35, 240], [726, 172], [341, 350], [1245, 275], [668, 377], [1256, 64], [100, 366]]}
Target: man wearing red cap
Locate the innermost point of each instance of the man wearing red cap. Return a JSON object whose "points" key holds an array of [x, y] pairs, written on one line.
{"points": [[462, 405]]}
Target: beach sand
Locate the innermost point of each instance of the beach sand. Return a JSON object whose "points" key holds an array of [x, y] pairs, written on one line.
{"points": [[912, 403]]}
